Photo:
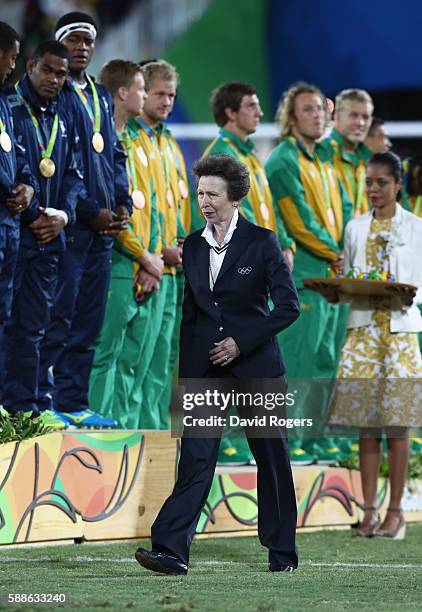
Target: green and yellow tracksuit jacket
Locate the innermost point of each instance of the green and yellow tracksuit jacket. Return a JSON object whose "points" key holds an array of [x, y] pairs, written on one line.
{"points": [[182, 193], [160, 167], [314, 206], [144, 231], [172, 201], [412, 203], [350, 169]]}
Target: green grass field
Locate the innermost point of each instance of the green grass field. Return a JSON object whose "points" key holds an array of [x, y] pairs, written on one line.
{"points": [[336, 573]]}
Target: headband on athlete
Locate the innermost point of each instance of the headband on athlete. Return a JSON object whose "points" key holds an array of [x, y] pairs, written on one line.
{"points": [[64, 31]]}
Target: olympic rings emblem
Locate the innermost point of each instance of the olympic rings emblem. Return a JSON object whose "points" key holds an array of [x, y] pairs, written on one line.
{"points": [[243, 271]]}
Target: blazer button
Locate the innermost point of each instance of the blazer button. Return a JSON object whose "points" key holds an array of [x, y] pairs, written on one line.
{"points": [[220, 328]]}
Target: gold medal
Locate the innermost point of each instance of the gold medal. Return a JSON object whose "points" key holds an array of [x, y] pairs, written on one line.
{"points": [[183, 189], [5, 142], [264, 211], [331, 217], [98, 142], [170, 198], [138, 199], [47, 167], [142, 156]]}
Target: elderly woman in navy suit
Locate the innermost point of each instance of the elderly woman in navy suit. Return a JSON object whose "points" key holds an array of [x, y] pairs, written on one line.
{"points": [[231, 268]]}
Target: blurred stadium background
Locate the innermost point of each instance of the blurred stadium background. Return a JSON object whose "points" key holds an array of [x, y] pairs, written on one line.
{"points": [[373, 45]]}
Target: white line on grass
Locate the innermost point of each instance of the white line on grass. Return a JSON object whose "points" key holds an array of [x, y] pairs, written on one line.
{"points": [[368, 565], [88, 559]]}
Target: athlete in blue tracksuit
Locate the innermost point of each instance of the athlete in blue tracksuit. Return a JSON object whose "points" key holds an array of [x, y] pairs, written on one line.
{"points": [[17, 185], [47, 131], [80, 302]]}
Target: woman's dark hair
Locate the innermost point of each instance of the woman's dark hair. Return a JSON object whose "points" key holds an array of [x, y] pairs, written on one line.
{"points": [[229, 169], [391, 161]]}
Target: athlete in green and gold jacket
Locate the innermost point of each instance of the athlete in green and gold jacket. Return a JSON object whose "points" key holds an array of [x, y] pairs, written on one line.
{"points": [[136, 258], [315, 209], [346, 144], [312, 203], [350, 167]]}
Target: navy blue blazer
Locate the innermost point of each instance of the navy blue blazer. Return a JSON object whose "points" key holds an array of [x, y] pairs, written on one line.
{"points": [[253, 269]]}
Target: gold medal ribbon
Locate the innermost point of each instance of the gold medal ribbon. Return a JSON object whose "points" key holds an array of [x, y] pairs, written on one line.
{"points": [[166, 169], [124, 138], [46, 152], [326, 188], [357, 182], [93, 113], [138, 197]]}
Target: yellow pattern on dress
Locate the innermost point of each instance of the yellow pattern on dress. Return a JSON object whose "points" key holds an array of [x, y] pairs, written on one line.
{"points": [[373, 352]]}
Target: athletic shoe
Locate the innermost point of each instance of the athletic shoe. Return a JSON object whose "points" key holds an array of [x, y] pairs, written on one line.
{"points": [[300, 457], [87, 419], [51, 418], [327, 455]]}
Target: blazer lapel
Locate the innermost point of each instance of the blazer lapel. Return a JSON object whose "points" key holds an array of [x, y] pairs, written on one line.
{"points": [[202, 262], [236, 248]]}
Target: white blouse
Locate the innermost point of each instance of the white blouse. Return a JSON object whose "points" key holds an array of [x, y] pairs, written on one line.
{"points": [[217, 252], [404, 247]]}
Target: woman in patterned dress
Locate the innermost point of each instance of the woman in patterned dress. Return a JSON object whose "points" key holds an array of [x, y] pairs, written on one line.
{"points": [[381, 358]]}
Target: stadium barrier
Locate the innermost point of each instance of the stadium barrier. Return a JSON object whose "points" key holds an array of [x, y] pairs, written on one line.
{"points": [[107, 485]]}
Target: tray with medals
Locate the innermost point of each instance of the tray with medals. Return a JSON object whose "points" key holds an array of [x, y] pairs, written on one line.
{"points": [[362, 285]]}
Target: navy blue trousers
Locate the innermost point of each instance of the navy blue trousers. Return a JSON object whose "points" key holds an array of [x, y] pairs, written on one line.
{"points": [[34, 287], [9, 247], [77, 317], [175, 525]]}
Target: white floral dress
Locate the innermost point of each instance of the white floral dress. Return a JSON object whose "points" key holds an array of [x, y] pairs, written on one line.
{"points": [[376, 384]]}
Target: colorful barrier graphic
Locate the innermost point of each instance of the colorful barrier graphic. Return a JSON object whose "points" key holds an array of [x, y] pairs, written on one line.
{"points": [[109, 485]]}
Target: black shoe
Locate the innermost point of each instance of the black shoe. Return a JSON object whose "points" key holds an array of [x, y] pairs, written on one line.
{"points": [[281, 568], [161, 562]]}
